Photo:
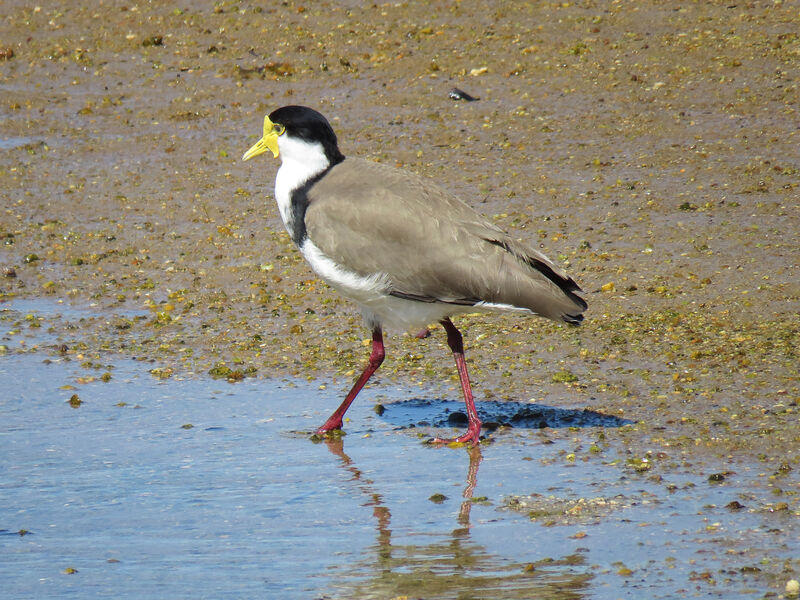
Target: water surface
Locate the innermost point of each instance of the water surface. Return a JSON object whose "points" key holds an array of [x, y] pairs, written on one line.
{"points": [[204, 489]]}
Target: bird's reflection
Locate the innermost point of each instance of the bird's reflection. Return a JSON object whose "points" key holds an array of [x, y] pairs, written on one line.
{"points": [[453, 565], [475, 458]]}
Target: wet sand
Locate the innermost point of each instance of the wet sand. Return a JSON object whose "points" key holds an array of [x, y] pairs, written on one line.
{"points": [[651, 148]]}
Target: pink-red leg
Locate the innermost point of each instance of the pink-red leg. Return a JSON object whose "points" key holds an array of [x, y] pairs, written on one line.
{"points": [[375, 360], [456, 344]]}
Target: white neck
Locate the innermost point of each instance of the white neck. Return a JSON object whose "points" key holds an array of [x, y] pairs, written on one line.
{"points": [[300, 161]]}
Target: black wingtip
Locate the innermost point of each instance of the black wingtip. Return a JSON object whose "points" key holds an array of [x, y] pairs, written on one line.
{"points": [[566, 284]]}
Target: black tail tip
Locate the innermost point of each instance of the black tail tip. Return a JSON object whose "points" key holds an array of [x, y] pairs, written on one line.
{"points": [[575, 319]]}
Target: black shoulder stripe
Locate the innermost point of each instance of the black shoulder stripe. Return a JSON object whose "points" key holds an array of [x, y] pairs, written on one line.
{"points": [[299, 203]]}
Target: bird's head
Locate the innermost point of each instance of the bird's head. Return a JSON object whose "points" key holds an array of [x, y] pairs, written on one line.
{"points": [[297, 132]]}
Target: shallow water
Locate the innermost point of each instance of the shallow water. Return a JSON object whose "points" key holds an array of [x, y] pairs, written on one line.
{"points": [[7, 143], [200, 488]]}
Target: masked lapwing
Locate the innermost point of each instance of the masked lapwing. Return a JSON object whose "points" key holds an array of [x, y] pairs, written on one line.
{"points": [[406, 251]]}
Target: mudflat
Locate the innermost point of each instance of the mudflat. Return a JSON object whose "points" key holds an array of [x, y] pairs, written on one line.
{"points": [[651, 148]]}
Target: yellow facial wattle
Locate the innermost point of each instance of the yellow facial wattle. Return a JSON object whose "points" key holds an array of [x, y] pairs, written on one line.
{"points": [[269, 141]]}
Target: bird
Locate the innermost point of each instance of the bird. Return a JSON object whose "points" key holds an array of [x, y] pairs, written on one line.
{"points": [[407, 252]]}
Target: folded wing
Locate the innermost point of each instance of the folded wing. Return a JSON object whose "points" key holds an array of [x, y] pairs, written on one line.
{"points": [[431, 246]]}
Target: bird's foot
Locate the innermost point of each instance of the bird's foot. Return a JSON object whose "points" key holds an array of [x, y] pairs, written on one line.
{"points": [[330, 430], [472, 436]]}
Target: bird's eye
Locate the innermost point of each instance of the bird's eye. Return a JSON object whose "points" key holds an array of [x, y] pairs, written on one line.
{"points": [[278, 128]]}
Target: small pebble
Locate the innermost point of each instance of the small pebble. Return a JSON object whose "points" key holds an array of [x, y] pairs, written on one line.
{"points": [[457, 94]]}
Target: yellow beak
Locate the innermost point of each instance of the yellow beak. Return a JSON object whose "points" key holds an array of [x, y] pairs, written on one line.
{"points": [[269, 141]]}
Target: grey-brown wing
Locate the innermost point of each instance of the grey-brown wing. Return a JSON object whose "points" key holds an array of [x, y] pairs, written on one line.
{"points": [[433, 247]]}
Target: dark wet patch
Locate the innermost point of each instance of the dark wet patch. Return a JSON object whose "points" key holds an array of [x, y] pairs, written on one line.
{"points": [[421, 412]]}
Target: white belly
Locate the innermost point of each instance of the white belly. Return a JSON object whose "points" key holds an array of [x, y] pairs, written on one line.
{"points": [[371, 293]]}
